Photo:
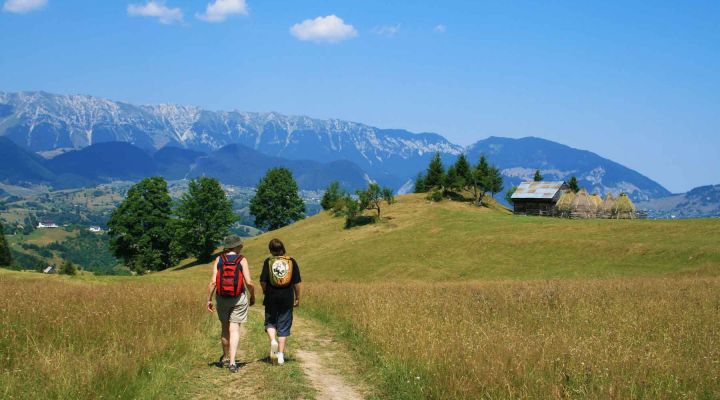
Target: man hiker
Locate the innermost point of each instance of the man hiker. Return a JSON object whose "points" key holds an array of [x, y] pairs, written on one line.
{"points": [[231, 283], [280, 281]]}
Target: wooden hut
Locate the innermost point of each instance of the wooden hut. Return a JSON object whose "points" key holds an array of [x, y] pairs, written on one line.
{"points": [[537, 198]]}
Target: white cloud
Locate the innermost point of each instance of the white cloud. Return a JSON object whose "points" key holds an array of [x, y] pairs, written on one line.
{"points": [[219, 10], [330, 29], [156, 9], [23, 6], [440, 28], [388, 30]]}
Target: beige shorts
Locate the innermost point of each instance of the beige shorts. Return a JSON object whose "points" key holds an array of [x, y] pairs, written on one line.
{"points": [[232, 309]]}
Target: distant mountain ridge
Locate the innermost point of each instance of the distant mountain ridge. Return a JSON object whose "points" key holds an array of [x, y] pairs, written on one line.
{"points": [[41, 121], [700, 202]]}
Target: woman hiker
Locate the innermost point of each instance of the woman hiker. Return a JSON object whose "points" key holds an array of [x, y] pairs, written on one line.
{"points": [[280, 281], [231, 282]]}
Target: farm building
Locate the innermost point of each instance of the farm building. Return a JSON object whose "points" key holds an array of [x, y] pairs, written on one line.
{"points": [[47, 224], [538, 198]]}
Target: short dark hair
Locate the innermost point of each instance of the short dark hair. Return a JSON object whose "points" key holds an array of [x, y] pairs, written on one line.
{"points": [[276, 247]]}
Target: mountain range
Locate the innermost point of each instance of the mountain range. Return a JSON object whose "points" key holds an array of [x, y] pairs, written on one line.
{"points": [[186, 141]]}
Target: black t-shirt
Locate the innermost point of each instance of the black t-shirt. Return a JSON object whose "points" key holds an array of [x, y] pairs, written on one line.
{"points": [[280, 297]]}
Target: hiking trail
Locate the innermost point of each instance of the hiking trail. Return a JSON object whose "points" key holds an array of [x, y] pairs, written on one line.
{"points": [[324, 366]]}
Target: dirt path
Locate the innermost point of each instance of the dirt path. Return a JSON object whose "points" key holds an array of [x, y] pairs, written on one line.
{"points": [[317, 367], [326, 363]]}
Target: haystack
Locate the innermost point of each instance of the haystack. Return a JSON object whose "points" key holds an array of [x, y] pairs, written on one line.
{"points": [[583, 206], [624, 207], [607, 209], [597, 200], [564, 204]]}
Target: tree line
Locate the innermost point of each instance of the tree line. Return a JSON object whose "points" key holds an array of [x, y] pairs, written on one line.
{"points": [[479, 179]]}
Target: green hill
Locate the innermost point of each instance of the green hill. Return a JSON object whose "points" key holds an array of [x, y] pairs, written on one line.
{"points": [[450, 241]]}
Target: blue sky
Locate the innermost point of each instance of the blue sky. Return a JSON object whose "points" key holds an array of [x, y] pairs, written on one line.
{"points": [[637, 82]]}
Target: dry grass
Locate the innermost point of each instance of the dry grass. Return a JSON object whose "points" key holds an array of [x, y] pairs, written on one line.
{"points": [[61, 338], [619, 338]]}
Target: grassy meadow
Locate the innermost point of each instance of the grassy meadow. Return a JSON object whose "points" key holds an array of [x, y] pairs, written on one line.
{"points": [[438, 301]]}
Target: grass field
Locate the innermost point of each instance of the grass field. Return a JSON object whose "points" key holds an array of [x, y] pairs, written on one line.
{"points": [[439, 301]]}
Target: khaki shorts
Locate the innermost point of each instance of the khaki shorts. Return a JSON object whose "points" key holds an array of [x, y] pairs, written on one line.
{"points": [[232, 309]]}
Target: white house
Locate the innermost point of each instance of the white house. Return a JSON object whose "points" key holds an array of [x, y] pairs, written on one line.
{"points": [[47, 224], [95, 229]]}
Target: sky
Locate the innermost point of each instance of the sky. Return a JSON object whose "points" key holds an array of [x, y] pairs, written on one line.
{"points": [[634, 81]]}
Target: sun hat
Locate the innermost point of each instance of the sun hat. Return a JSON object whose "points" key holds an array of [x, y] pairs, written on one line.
{"points": [[232, 241]]}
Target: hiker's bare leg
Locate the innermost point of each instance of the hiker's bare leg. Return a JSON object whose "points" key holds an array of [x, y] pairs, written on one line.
{"points": [[281, 343], [234, 340], [225, 338], [272, 333]]}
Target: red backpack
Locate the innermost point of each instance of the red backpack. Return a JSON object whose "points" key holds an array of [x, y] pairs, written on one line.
{"points": [[229, 277]]}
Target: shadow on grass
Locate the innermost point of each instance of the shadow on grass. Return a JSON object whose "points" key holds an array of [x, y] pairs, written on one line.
{"points": [[360, 221], [195, 263]]}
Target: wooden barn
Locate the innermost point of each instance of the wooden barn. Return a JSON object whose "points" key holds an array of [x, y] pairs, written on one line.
{"points": [[538, 198]]}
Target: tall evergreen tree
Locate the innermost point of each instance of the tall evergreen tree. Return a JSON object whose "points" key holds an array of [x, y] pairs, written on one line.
{"points": [[480, 179], [205, 217], [420, 186], [495, 180], [435, 174], [573, 184], [138, 227], [5, 254], [277, 202], [538, 177], [452, 179], [333, 193], [463, 171]]}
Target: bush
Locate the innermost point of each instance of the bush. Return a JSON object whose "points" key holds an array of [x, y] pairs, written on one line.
{"points": [[435, 195], [68, 268]]}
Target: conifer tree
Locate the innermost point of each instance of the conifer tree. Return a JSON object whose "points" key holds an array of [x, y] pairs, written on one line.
{"points": [[495, 180], [277, 202], [573, 184], [537, 177], [480, 179], [205, 217], [435, 174], [420, 186], [333, 193], [5, 254], [463, 171]]}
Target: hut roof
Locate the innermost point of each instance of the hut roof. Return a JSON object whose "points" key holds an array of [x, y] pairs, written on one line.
{"points": [[539, 190]]}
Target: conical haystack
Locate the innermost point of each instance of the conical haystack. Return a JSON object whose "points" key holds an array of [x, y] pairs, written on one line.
{"points": [[583, 206], [607, 209], [624, 207], [597, 200], [564, 204]]}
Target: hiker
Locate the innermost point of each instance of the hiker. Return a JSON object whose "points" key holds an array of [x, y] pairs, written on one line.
{"points": [[231, 282], [280, 281]]}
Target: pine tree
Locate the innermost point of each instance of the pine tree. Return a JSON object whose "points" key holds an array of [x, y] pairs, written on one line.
{"points": [[331, 196], [495, 180], [277, 202], [452, 179], [480, 179], [5, 254], [573, 184], [537, 177], [463, 171], [205, 217], [435, 174], [420, 186], [139, 227]]}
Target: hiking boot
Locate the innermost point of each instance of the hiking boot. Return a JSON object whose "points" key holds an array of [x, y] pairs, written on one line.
{"points": [[234, 368], [273, 351], [280, 358]]}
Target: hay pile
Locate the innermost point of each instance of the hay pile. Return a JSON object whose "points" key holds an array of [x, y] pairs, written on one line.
{"points": [[564, 204], [583, 206], [607, 209], [624, 207]]}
